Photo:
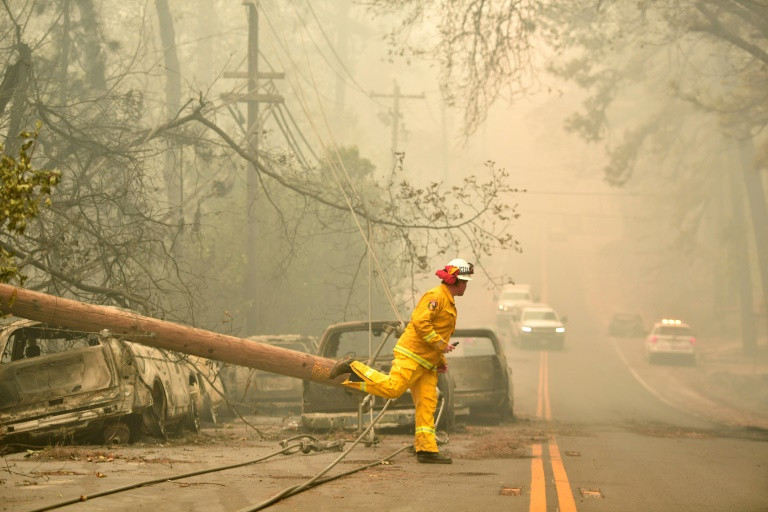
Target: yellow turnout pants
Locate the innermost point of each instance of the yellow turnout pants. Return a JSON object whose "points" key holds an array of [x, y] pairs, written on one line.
{"points": [[405, 374]]}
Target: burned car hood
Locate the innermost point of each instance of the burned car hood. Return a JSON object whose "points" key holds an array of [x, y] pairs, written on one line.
{"points": [[69, 368], [50, 377]]}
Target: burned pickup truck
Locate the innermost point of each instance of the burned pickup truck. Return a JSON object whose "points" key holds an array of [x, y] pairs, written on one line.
{"points": [[64, 384], [326, 407], [482, 374]]}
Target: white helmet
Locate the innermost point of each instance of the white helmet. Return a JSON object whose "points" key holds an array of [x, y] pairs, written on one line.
{"points": [[466, 269]]}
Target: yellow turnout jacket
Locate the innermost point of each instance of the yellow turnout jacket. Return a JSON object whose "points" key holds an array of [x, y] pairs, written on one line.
{"points": [[432, 324]]}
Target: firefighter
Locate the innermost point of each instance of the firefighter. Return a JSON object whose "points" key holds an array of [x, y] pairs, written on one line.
{"points": [[419, 356]]}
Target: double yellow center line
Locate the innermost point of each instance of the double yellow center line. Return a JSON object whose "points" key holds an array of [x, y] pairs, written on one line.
{"points": [[538, 483]]}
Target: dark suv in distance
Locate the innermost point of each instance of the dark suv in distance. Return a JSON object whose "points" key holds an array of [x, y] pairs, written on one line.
{"points": [[626, 325]]}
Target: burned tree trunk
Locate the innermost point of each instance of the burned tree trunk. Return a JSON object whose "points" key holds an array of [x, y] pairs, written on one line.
{"points": [[59, 312], [14, 89]]}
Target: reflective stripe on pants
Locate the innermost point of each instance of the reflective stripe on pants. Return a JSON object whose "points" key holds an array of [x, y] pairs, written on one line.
{"points": [[405, 374]]}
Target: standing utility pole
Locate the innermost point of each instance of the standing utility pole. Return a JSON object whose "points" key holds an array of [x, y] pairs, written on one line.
{"points": [[396, 114], [251, 293]]}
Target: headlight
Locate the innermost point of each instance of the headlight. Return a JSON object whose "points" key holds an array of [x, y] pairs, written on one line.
{"points": [[525, 328], [560, 329]]}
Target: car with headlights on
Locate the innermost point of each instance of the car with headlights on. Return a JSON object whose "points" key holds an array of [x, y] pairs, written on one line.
{"points": [[538, 325], [671, 339], [511, 297]]}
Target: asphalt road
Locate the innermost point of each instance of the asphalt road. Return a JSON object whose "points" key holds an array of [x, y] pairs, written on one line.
{"points": [[589, 435], [596, 429], [640, 437]]}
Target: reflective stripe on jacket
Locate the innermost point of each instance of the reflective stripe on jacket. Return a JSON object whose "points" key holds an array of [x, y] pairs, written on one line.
{"points": [[432, 324]]}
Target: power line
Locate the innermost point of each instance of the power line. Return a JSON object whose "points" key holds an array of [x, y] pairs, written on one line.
{"points": [[281, 44], [333, 50], [396, 97], [594, 194], [572, 214], [290, 139], [301, 134]]}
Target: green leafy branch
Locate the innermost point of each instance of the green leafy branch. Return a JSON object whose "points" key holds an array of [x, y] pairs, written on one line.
{"points": [[23, 190]]}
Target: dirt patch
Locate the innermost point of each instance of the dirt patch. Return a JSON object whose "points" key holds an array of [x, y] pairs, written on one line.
{"points": [[750, 390], [503, 442], [66, 453], [668, 431], [727, 374], [72, 453], [59, 472]]}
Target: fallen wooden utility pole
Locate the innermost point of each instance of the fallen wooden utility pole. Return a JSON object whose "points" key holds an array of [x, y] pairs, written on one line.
{"points": [[71, 314]]}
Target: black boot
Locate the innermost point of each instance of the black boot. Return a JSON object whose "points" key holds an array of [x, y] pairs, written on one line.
{"points": [[432, 458], [342, 366]]}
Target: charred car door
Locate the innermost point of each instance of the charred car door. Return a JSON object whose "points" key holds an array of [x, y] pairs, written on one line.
{"points": [[483, 379]]}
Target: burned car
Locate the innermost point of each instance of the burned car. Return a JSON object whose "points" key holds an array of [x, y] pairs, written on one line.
{"points": [[249, 390], [329, 407], [483, 379], [73, 385]]}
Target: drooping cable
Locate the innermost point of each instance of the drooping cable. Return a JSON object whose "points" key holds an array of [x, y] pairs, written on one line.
{"points": [[296, 126], [333, 51], [337, 168], [298, 488], [87, 497]]}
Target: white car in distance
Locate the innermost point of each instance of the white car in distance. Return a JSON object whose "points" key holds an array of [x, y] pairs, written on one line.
{"points": [[538, 325]]}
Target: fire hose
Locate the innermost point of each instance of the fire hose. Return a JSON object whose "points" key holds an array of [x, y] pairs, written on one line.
{"points": [[316, 480], [306, 444]]}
